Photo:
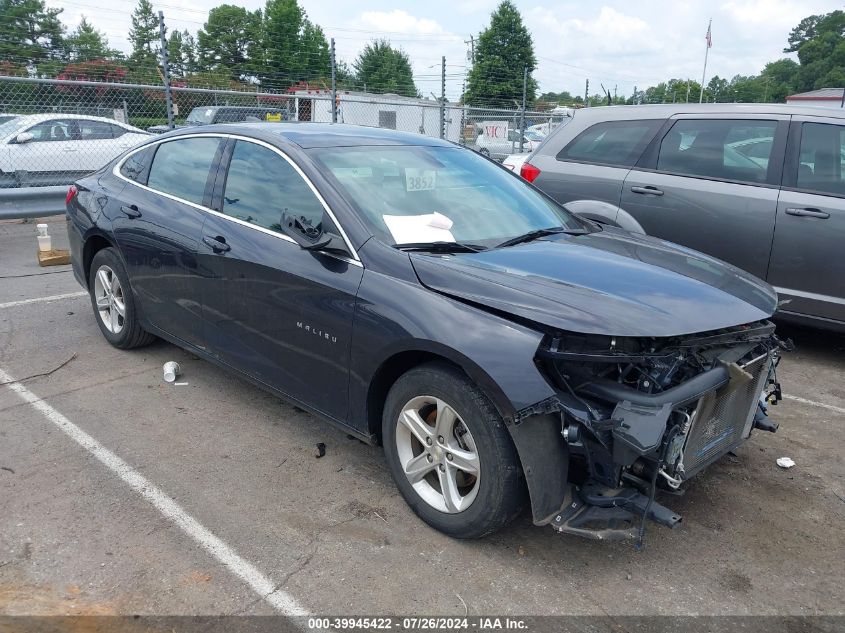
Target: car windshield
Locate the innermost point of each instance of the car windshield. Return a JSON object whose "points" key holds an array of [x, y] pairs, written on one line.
{"points": [[417, 194], [201, 116], [531, 135]]}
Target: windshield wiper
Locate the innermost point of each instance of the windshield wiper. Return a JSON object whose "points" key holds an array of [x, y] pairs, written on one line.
{"points": [[533, 235], [441, 247]]}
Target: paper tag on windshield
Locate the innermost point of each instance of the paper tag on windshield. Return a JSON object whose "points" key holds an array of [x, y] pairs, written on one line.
{"points": [[409, 229], [420, 179]]}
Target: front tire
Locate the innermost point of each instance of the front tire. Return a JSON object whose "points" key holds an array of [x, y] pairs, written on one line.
{"points": [[450, 453], [113, 303]]}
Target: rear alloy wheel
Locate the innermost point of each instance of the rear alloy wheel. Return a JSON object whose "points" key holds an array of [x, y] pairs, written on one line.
{"points": [[484, 152], [113, 303], [449, 452], [108, 296]]}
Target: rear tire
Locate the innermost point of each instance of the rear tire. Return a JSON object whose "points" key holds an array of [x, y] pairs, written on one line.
{"points": [[440, 432], [113, 303], [484, 152]]}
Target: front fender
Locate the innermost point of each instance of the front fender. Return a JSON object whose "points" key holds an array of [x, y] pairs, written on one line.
{"points": [[496, 353], [605, 213]]}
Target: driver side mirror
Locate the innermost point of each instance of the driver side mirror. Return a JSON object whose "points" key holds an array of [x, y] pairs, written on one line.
{"points": [[301, 231], [24, 137]]}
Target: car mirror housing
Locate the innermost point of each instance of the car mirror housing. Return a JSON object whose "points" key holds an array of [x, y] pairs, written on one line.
{"points": [[301, 231], [24, 137]]}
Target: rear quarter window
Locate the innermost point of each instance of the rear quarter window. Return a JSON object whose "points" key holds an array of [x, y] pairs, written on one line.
{"points": [[136, 166], [617, 143]]}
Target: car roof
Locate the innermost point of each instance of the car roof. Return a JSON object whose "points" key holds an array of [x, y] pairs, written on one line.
{"points": [[309, 135], [27, 119], [217, 108], [624, 112]]}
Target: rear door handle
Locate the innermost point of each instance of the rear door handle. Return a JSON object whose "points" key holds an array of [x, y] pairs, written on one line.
{"points": [[654, 191], [808, 213], [131, 211], [217, 243]]}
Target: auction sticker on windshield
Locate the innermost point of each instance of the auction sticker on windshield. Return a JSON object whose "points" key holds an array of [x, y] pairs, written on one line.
{"points": [[420, 179]]}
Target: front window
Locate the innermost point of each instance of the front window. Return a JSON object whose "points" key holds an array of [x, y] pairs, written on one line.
{"points": [[413, 194]]}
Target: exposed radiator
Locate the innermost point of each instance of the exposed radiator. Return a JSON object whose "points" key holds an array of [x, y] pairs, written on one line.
{"points": [[723, 419]]}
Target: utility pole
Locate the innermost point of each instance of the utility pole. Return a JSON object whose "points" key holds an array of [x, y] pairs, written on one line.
{"points": [[688, 86], [443, 97], [587, 95], [614, 92], [634, 97], [165, 67], [471, 53], [334, 84], [522, 111]]}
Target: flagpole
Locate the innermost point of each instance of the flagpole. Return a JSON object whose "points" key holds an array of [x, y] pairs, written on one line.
{"points": [[706, 52]]}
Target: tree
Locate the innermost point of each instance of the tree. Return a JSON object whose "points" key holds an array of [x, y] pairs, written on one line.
{"points": [[293, 48], [503, 51], [176, 54], [819, 41], [30, 33], [144, 35], [779, 80], [189, 52], [86, 43], [717, 90], [229, 42], [382, 68]]}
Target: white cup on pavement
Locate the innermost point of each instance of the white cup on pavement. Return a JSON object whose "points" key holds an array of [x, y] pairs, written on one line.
{"points": [[171, 371]]}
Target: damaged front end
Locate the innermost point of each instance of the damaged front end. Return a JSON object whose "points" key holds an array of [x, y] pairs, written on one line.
{"points": [[640, 414]]}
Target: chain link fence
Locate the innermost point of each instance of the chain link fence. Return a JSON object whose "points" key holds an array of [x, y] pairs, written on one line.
{"points": [[54, 131]]}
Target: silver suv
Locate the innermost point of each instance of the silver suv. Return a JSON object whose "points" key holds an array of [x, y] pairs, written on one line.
{"points": [[759, 186]]}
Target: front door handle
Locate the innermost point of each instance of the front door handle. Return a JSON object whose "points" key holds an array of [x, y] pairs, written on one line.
{"points": [[131, 211], [654, 191], [217, 243], [808, 213]]}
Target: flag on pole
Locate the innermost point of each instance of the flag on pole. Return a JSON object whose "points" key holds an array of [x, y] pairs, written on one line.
{"points": [[708, 36]]}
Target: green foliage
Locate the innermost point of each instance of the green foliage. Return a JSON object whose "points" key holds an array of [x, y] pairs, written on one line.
{"points": [[86, 43], [381, 68], [293, 48], [503, 51], [230, 41], [176, 54], [144, 35], [30, 33]]}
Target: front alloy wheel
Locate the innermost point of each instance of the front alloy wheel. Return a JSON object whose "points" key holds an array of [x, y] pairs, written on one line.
{"points": [[108, 294], [438, 454], [449, 452]]}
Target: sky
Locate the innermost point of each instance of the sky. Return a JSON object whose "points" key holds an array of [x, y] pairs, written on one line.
{"points": [[620, 44]]}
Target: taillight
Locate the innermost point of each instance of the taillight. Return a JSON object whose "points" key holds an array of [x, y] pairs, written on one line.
{"points": [[71, 194], [529, 172]]}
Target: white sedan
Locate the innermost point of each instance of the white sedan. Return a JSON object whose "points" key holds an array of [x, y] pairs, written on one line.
{"points": [[56, 149]]}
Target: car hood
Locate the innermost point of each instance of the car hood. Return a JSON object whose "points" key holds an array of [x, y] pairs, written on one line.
{"points": [[606, 282]]}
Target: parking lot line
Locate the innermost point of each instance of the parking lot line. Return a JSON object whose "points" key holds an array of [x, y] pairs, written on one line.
{"points": [[813, 403], [280, 600], [23, 302]]}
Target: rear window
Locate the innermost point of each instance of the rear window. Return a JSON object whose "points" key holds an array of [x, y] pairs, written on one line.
{"points": [[722, 149], [611, 143], [181, 167]]}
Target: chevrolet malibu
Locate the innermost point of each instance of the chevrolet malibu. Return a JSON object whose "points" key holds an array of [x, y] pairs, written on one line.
{"points": [[417, 295]]}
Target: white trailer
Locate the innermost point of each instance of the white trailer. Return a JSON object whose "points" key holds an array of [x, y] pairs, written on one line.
{"points": [[389, 111]]}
